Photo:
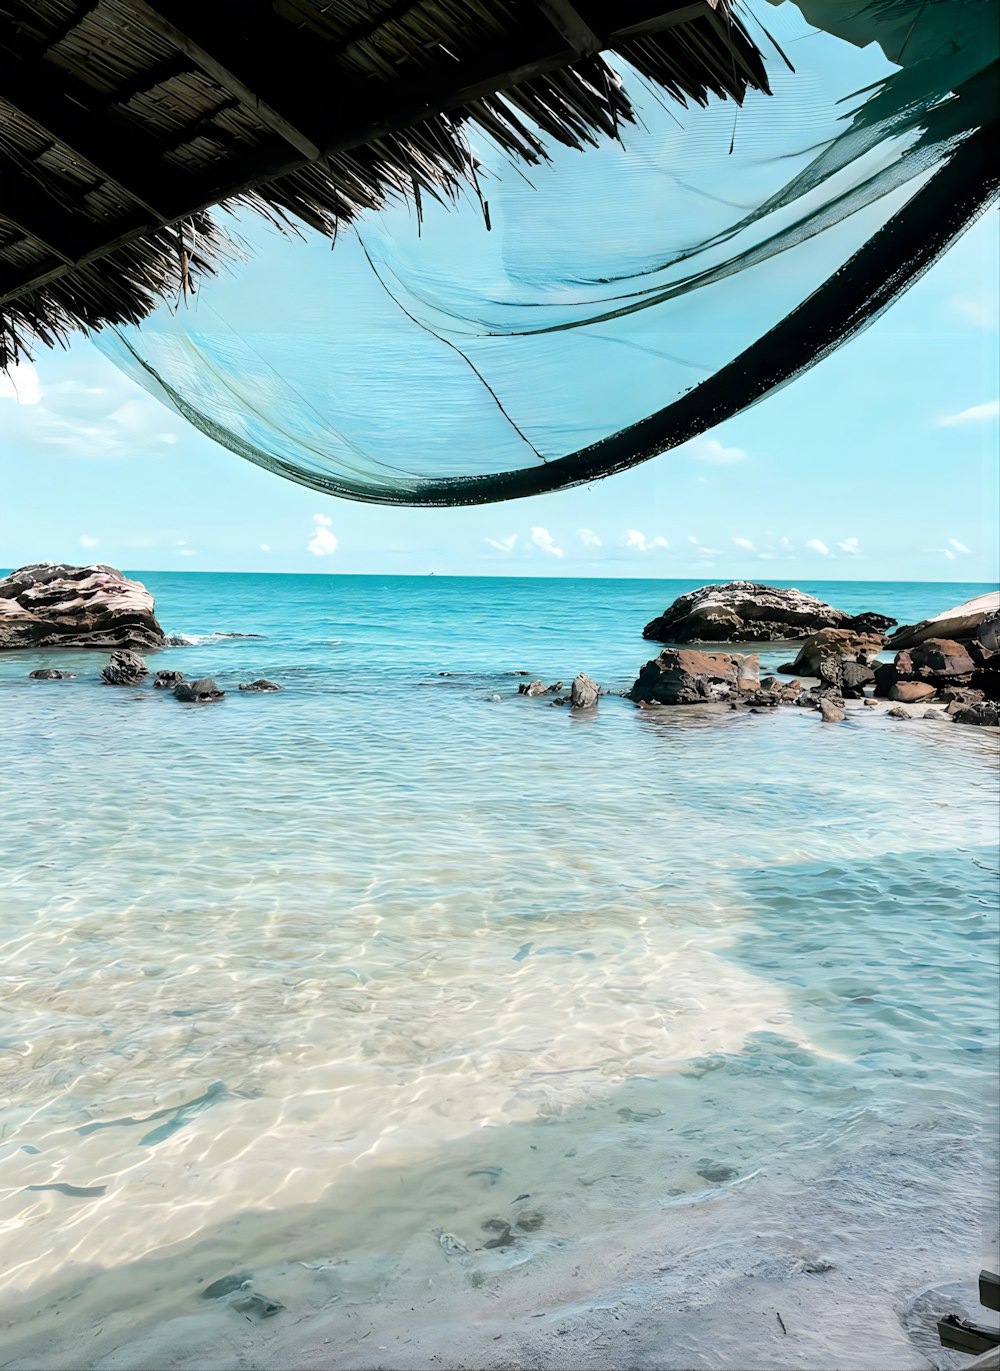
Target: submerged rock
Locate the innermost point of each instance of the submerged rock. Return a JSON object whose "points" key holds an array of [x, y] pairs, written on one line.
{"points": [[125, 669], [50, 673], [262, 686], [584, 693], [747, 611], [832, 712], [198, 692], [50, 604], [167, 680], [539, 688]]}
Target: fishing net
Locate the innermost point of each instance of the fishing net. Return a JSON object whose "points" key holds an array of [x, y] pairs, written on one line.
{"points": [[569, 320]]}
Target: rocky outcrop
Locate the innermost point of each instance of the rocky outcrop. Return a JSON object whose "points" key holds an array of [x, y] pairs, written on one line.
{"points": [[831, 711], [53, 605], [684, 676], [167, 680], [746, 611], [49, 673], [260, 686], [844, 643], [584, 692], [198, 692], [978, 618], [941, 664], [125, 669]]}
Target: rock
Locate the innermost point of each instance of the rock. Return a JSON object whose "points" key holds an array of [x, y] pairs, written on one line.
{"points": [[747, 671], [52, 605], [198, 692], [716, 1172], [530, 1221], [911, 692], [935, 714], [832, 712], [262, 686], [746, 611], [684, 676], [557, 702], [843, 643], [532, 688], [871, 704], [975, 618], [897, 712], [49, 673], [584, 693], [166, 680], [125, 669], [935, 657], [986, 715], [494, 699]]}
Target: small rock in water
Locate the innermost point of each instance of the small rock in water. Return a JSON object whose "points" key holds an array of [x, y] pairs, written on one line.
{"points": [[504, 1237], [494, 699], [531, 1220], [198, 692], [254, 1303], [451, 1244], [226, 1285], [897, 712], [126, 668], [584, 692], [263, 686], [556, 702], [532, 688], [986, 714], [717, 1172], [49, 673], [166, 680], [832, 712], [871, 704]]}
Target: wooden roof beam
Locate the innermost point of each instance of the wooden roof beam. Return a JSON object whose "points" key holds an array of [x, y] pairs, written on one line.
{"points": [[218, 46], [570, 24], [72, 115]]}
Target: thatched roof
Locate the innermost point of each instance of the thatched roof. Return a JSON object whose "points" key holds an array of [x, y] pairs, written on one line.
{"points": [[123, 122]]}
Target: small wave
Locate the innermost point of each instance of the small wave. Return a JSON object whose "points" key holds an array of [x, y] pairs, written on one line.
{"points": [[199, 639]]}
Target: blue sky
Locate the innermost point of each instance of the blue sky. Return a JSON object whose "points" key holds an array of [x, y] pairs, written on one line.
{"points": [[881, 463]]}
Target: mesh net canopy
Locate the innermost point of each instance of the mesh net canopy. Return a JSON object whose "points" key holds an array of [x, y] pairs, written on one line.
{"points": [[569, 320]]}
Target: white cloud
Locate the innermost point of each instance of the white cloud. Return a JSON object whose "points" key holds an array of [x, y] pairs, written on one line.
{"points": [[959, 547], [971, 309], [99, 413], [815, 545], [786, 544], [86, 540], [692, 539], [949, 554], [711, 451], [975, 415], [21, 384], [851, 546], [543, 539], [264, 547], [633, 538], [323, 542], [503, 544], [745, 544], [186, 552], [588, 537]]}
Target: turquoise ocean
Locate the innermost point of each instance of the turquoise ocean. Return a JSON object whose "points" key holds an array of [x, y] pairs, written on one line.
{"points": [[308, 987]]}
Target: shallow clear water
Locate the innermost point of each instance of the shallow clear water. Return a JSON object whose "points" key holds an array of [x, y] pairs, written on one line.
{"points": [[307, 976]]}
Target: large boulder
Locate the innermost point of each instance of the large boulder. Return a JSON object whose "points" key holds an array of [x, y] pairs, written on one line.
{"points": [[684, 676], [986, 715], [978, 618], [52, 605], [746, 611], [845, 643], [939, 663]]}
